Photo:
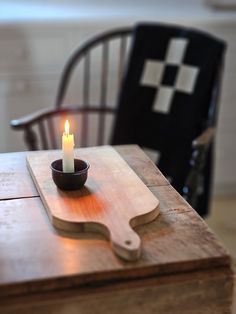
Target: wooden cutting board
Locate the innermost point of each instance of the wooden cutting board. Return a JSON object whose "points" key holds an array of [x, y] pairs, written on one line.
{"points": [[113, 201]]}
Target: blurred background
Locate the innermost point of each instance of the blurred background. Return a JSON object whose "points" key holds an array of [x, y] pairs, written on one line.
{"points": [[36, 38]]}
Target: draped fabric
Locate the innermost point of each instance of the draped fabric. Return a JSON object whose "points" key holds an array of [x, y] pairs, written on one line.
{"points": [[166, 94]]}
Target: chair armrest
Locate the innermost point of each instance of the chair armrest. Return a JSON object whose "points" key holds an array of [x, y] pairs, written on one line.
{"points": [[26, 121], [204, 139]]}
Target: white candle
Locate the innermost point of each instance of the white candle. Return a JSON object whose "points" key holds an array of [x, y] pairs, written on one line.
{"points": [[68, 150]]}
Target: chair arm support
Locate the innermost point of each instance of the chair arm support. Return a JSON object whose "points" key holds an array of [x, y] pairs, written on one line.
{"points": [[204, 139], [194, 182]]}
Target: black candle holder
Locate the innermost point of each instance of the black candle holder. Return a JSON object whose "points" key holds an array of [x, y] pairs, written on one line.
{"points": [[70, 180]]}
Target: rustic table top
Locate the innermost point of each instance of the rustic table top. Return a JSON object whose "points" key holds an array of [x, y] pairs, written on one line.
{"points": [[36, 257]]}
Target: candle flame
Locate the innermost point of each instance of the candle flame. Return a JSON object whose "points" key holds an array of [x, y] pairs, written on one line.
{"points": [[67, 127]]}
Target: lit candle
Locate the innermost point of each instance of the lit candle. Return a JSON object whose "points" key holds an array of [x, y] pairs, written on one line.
{"points": [[68, 150]]}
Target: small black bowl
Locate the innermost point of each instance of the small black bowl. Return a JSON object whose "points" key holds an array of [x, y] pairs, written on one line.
{"points": [[70, 180]]}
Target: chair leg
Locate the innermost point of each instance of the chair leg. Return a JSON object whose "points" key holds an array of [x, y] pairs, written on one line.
{"points": [[197, 189], [203, 202], [193, 186]]}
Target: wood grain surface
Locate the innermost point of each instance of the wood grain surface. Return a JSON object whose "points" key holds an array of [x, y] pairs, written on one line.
{"points": [[113, 201], [15, 182], [37, 257], [191, 293], [183, 267]]}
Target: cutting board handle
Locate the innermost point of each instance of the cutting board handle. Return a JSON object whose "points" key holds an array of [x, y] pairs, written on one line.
{"points": [[113, 202], [125, 242]]}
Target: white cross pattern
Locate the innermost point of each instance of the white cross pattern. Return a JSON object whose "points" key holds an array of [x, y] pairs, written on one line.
{"points": [[154, 73]]}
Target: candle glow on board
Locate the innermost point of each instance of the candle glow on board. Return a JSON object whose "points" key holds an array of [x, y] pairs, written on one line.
{"points": [[68, 150]]}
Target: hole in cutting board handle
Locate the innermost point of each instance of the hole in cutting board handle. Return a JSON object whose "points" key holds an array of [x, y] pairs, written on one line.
{"points": [[128, 242]]}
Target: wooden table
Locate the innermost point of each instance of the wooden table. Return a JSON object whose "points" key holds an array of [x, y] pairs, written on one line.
{"points": [[183, 267]]}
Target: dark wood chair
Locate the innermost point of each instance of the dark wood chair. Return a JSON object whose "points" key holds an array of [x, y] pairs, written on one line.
{"points": [[130, 117]]}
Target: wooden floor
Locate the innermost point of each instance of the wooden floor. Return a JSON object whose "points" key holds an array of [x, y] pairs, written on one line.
{"points": [[222, 220]]}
